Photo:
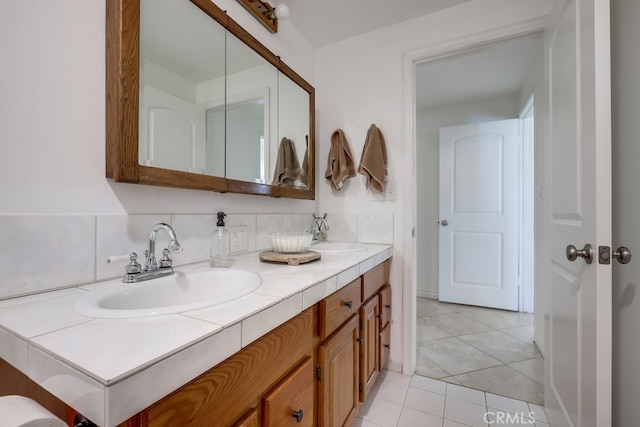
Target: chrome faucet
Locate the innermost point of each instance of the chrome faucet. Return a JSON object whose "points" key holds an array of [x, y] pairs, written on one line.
{"points": [[151, 264], [319, 228], [152, 269]]}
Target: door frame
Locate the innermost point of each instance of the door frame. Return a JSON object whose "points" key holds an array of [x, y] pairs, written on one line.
{"points": [[410, 60]]}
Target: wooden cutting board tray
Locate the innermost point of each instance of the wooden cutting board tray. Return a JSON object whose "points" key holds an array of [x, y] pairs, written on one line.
{"points": [[291, 259]]}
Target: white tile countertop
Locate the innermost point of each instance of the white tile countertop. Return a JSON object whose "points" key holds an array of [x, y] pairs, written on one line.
{"points": [[111, 369]]}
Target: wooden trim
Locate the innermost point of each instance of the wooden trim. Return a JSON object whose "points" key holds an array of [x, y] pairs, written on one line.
{"points": [[122, 87]]}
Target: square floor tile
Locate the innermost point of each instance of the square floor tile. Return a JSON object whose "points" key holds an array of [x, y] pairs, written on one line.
{"points": [[533, 368], [455, 356], [465, 412], [425, 401], [501, 346], [466, 394], [428, 384], [426, 331], [380, 412], [504, 381], [414, 418], [457, 324]]}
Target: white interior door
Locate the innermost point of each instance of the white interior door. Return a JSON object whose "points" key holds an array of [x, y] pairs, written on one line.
{"points": [[479, 205], [172, 132], [578, 179]]}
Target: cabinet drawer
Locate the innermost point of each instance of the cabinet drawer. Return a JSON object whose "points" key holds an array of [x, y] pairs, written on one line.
{"points": [[385, 305], [385, 343], [338, 307], [290, 403], [375, 278]]}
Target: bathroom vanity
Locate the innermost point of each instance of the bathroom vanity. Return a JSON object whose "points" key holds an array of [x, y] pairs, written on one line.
{"points": [[304, 348]]}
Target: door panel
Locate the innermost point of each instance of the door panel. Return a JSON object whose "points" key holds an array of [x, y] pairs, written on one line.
{"points": [[479, 205], [578, 362]]}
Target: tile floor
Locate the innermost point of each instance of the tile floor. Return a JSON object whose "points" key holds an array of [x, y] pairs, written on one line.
{"points": [[481, 348], [415, 401]]}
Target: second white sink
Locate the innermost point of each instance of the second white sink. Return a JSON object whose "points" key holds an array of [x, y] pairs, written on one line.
{"points": [[183, 291], [338, 247]]}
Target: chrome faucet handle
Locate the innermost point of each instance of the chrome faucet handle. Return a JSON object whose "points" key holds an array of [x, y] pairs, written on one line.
{"points": [[166, 260], [134, 266]]}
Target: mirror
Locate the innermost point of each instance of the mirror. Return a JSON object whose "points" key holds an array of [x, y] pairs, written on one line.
{"points": [[194, 101]]}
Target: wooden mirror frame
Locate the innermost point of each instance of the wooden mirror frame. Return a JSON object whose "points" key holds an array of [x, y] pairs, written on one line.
{"points": [[122, 108]]}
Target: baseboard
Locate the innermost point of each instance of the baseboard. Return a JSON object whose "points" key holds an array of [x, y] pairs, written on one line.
{"points": [[427, 294]]}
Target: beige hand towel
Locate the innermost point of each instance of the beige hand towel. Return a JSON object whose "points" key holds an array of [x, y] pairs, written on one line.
{"points": [[373, 163], [340, 164], [304, 170], [287, 165]]}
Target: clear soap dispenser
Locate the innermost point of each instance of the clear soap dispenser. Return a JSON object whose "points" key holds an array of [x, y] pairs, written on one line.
{"points": [[220, 244]]}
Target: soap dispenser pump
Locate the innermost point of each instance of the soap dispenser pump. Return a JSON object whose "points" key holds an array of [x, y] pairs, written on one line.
{"points": [[220, 244]]}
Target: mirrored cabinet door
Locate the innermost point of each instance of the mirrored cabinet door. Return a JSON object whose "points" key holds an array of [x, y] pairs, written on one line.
{"points": [[182, 77], [293, 128], [251, 113], [194, 101]]}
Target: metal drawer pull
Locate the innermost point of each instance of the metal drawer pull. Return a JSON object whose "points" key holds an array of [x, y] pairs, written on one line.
{"points": [[349, 304]]}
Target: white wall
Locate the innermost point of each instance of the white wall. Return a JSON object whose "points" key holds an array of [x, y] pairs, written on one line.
{"points": [[360, 81], [52, 113], [625, 16], [59, 216]]}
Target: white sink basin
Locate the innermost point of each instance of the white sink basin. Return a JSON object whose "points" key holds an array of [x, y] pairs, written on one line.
{"points": [[338, 247], [183, 291]]}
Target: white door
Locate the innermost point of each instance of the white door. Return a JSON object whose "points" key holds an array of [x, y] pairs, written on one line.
{"points": [[172, 132], [578, 182], [479, 207]]}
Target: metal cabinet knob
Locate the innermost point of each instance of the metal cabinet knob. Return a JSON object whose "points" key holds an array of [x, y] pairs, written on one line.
{"points": [[349, 304], [298, 415], [622, 254], [586, 253]]}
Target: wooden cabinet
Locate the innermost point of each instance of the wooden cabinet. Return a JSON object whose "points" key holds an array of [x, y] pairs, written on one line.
{"points": [[338, 360], [370, 346], [226, 394], [355, 350]]}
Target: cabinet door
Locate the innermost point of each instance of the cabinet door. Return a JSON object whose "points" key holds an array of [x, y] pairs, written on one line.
{"points": [[290, 403], [338, 358], [369, 354]]}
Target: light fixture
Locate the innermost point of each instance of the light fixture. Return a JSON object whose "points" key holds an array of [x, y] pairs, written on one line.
{"points": [[265, 13]]}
